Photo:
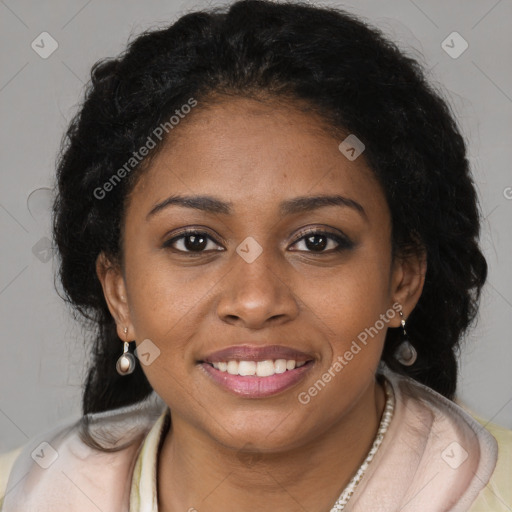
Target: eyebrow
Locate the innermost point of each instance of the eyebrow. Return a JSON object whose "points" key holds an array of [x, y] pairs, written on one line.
{"points": [[300, 204]]}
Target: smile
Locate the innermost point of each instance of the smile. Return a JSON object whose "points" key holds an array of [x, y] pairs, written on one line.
{"points": [[259, 368], [280, 375]]}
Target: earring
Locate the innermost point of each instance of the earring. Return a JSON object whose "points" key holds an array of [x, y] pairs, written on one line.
{"points": [[405, 354], [126, 362]]}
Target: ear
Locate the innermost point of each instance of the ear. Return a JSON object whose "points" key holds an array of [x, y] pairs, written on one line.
{"points": [[114, 289], [407, 280]]}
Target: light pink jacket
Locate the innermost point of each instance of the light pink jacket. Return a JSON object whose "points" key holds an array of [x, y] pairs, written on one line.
{"points": [[434, 457]]}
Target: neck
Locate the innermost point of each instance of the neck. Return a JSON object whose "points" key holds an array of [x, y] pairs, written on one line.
{"points": [[195, 472]]}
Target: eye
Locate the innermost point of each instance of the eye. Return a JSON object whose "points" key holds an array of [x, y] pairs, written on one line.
{"points": [[318, 240], [315, 240], [190, 241]]}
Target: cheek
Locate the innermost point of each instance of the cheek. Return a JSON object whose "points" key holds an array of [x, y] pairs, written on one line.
{"points": [[353, 311], [350, 302], [161, 294], [164, 308], [162, 302]]}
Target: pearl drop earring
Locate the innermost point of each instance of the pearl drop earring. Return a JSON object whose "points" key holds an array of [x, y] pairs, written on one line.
{"points": [[405, 354], [126, 362]]}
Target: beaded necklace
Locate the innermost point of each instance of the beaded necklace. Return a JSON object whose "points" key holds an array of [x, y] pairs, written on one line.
{"points": [[383, 427]]}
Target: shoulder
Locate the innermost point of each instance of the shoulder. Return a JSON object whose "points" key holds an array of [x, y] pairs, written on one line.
{"points": [[481, 451], [502, 435], [99, 464], [6, 464], [497, 494]]}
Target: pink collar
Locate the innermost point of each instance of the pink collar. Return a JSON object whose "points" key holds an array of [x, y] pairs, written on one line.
{"points": [[434, 456]]}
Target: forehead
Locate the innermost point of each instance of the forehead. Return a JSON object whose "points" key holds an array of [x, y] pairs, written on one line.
{"points": [[255, 154]]}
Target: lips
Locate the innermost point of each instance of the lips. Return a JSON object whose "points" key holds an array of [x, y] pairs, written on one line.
{"points": [[273, 369], [256, 353]]}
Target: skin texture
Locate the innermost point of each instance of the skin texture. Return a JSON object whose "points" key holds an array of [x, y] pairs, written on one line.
{"points": [[225, 452]]}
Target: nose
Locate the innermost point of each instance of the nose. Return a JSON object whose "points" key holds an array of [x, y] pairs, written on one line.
{"points": [[256, 295]]}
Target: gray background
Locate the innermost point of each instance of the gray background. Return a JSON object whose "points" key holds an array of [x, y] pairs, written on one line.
{"points": [[42, 352]]}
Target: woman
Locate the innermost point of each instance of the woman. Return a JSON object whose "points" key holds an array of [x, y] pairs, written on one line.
{"points": [[268, 216]]}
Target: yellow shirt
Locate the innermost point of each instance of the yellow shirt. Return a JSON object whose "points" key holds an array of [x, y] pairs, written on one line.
{"points": [[497, 494]]}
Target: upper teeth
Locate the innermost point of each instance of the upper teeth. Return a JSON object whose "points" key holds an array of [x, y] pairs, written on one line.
{"points": [[258, 368]]}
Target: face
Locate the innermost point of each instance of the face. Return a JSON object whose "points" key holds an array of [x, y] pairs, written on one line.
{"points": [[263, 277]]}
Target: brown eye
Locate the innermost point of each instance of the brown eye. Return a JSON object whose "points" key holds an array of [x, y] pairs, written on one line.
{"points": [[190, 241], [318, 240]]}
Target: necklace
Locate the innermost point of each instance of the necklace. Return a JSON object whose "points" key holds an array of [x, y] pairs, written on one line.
{"points": [[383, 427]]}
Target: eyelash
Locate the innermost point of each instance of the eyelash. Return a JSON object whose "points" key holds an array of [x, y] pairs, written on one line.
{"points": [[343, 242]]}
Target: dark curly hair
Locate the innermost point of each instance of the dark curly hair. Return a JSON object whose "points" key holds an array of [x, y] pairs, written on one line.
{"points": [[343, 70]]}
